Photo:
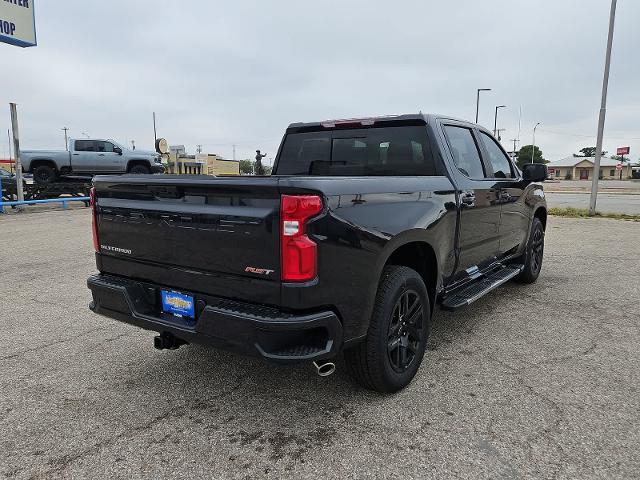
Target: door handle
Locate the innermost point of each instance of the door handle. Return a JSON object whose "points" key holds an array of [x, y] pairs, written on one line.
{"points": [[101, 154], [468, 199], [76, 154]]}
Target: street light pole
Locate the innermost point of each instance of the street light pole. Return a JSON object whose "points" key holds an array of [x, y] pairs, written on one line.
{"points": [[603, 113], [478, 100], [533, 149], [495, 120]]}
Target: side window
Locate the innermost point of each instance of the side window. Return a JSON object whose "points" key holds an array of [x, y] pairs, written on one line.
{"points": [[85, 146], [104, 147], [465, 151], [499, 161]]}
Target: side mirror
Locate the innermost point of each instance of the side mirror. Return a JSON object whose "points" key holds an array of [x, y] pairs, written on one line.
{"points": [[534, 172], [117, 150]]}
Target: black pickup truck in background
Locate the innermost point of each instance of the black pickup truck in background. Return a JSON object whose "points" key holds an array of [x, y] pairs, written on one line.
{"points": [[364, 228]]}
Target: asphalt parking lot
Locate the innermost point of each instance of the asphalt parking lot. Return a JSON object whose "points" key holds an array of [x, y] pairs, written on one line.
{"points": [[530, 382]]}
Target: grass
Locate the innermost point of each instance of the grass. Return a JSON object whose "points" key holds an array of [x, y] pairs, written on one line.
{"points": [[584, 213]]}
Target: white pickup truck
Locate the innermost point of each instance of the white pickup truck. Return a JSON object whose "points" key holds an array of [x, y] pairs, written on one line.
{"points": [[88, 157]]}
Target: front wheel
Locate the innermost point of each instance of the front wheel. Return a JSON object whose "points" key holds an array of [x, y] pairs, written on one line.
{"points": [[140, 169], [533, 255], [389, 357]]}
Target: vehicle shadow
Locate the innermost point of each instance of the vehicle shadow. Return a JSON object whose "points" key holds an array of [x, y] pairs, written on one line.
{"points": [[283, 411]]}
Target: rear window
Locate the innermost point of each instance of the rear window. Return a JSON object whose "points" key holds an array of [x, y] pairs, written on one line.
{"points": [[368, 151]]}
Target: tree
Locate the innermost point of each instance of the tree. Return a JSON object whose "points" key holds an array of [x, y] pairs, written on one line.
{"points": [[524, 155], [589, 152], [246, 167]]}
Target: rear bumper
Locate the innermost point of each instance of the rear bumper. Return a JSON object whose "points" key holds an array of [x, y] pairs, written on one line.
{"points": [[235, 326]]}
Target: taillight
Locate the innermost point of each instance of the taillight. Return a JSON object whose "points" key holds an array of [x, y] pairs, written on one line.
{"points": [[94, 219], [299, 253]]}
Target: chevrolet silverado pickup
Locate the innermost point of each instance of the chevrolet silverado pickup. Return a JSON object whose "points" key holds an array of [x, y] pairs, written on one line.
{"points": [[88, 157], [364, 228]]}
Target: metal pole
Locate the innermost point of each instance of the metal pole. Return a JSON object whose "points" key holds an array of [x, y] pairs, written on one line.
{"points": [[9, 138], [478, 100], [234, 152], [533, 149], [495, 120], [155, 135], [603, 112], [16, 151], [66, 140]]}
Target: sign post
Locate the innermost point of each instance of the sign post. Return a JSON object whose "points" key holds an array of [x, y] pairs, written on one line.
{"points": [[16, 150], [622, 151], [17, 23]]}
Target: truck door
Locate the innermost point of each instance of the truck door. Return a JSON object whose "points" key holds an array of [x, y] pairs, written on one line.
{"points": [[514, 214], [479, 241], [84, 157], [108, 160]]}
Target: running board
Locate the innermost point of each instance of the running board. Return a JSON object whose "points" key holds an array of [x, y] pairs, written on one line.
{"points": [[481, 287]]}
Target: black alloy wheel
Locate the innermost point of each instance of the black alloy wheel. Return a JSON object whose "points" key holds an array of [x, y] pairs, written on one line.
{"points": [[405, 331], [533, 255], [537, 250], [390, 356]]}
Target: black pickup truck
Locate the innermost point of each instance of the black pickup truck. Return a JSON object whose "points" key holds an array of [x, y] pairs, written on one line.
{"points": [[364, 228]]}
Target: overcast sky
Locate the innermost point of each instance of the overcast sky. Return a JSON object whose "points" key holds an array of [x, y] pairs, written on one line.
{"points": [[222, 73]]}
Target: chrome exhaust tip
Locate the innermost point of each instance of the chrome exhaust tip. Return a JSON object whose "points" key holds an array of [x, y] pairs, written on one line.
{"points": [[324, 369]]}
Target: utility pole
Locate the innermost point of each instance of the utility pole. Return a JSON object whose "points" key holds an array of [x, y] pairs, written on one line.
{"points": [[16, 151], [603, 112], [514, 140], [199, 149], [495, 121], [478, 100], [234, 152], [533, 149], [133, 144], [66, 139], [9, 138], [155, 134]]}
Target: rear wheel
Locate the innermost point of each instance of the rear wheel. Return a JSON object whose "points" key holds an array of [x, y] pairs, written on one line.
{"points": [[533, 255], [140, 169], [388, 359], [44, 174]]}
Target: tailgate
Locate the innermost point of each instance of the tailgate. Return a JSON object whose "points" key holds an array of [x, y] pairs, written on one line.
{"points": [[220, 227]]}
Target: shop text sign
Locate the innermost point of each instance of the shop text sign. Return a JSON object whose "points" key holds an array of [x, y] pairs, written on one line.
{"points": [[17, 23]]}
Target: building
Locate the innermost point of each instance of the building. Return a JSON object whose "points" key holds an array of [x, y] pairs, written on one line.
{"points": [[214, 165], [8, 165], [201, 164], [581, 168]]}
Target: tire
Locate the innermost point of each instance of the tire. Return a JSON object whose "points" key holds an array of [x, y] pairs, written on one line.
{"points": [[379, 362], [533, 255], [140, 169], [44, 174]]}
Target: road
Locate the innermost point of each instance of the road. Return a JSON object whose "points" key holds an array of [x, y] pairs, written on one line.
{"points": [[532, 382], [606, 202]]}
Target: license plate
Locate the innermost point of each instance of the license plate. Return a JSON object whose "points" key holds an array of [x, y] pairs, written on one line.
{"points": [[178, 304]]}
